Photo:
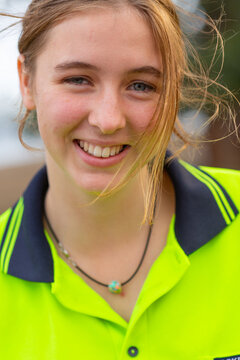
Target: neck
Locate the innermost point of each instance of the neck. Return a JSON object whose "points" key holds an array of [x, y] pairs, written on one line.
{"points": [[82, 227]]}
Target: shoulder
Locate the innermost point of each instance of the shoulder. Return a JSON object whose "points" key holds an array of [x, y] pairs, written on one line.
{"points": [[228, 179], [11, 218], [4, 221], [225, 175]]}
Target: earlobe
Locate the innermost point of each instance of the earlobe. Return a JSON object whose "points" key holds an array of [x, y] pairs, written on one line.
{"points": [[25, 84]]}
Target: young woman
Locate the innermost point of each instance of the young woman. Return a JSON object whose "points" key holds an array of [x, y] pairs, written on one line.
{"points": [[109, 254]]}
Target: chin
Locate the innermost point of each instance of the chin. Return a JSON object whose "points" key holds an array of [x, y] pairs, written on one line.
{"points": [[95, 184]]}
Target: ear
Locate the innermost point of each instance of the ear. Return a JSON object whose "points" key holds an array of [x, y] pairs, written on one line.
{"points": [[25, 84]]}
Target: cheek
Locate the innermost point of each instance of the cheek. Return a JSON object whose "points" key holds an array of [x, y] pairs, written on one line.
{"points": [[142, 115], [59, 114]]}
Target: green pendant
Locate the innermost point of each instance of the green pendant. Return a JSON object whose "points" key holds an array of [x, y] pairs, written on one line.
{"points": [[115, 287]]}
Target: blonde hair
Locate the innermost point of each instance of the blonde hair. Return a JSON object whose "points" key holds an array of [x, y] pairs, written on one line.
{"points": [[183, 83]]}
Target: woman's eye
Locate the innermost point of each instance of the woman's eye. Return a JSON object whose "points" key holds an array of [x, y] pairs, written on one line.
{"points": [[77, 81], [142, 87]]}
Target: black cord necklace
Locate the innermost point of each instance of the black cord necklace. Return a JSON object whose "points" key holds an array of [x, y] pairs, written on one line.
{"points": [[115, 286]]}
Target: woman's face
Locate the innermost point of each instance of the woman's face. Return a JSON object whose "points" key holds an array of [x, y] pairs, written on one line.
{"points": [[94, 90]]}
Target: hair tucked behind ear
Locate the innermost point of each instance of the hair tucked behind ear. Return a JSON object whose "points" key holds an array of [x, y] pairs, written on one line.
{"points": [[184, 83]]}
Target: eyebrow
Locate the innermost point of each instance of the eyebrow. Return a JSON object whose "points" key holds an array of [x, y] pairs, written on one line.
{"points": [[75, 65], [82, 65], [146, 70]]}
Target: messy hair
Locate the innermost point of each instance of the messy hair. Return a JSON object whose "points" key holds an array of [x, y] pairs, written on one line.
{"points": [[184, 82]]}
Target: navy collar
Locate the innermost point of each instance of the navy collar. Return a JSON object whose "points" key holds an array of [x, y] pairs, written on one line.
{"points": [[198, 219]]}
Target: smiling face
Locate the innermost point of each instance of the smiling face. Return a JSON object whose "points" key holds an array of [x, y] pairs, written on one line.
{"points": [[94, 90]]}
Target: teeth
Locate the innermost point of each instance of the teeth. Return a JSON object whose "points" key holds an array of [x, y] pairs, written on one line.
{"points": [[113, 151], [106, 152], [98, 151], [91, 149], [85, 146]]}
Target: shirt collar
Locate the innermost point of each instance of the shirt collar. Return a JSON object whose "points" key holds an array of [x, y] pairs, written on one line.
{"points": [[198, 219]]}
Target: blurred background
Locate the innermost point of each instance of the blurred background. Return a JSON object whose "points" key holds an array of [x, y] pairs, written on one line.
{"points": [[17, 165]]}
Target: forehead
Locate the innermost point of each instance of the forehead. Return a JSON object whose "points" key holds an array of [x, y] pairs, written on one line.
{"points": [[107, 35]]}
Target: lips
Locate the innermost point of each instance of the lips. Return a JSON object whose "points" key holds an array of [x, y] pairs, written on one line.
{"points": [[100, 155], [98, 151]]}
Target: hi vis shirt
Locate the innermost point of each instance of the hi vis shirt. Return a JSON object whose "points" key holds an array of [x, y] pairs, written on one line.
{"points": [[188, 308]]}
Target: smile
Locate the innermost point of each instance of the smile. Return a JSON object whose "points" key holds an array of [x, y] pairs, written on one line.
{"points": [[100, 151]]}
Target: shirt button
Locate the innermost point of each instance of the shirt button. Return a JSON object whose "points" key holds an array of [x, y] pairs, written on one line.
{"points": [[133, 351]]}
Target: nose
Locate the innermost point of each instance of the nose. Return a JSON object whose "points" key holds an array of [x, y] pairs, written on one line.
{"points": [[107, 114]]}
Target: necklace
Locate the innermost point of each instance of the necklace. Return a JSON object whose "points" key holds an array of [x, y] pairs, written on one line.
{"points": [[114, 286]]}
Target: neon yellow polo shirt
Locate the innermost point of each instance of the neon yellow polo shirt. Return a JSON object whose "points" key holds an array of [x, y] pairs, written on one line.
{"points": [[188, 308]]}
